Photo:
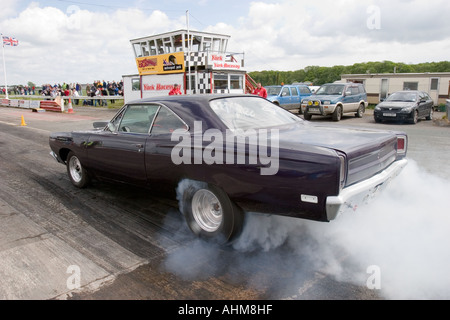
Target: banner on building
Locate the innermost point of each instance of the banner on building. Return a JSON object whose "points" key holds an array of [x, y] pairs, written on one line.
{"points": [[161, 64], [161, 84], [222, 61]]}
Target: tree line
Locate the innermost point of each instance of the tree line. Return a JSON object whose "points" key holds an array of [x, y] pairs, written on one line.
{"points": [[317, 76]]}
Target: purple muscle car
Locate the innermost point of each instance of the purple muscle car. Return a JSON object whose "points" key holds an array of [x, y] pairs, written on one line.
{"points": [[231, 154]]}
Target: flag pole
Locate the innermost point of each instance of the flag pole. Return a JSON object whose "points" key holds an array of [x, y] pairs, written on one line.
{"points": [[4, 65], [189, 51]]}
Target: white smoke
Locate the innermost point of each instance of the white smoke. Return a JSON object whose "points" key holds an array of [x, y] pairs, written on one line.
{"points": [[403, 233]]}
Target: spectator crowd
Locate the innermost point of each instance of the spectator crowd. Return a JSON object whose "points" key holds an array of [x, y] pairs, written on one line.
{"points": [[97, 90]]}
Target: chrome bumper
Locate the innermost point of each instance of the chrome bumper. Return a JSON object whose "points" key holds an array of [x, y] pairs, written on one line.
{"points": [[55, 156], [363, 191]]}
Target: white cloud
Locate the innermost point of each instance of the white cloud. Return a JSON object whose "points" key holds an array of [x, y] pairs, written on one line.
{"points": [[291, 35], [73, 44], [76, 45]]}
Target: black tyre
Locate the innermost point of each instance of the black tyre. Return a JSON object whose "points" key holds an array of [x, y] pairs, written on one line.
{"points": [[360, 111], [415, 117], [211, 215], [77, 173], [430, 115], [307, 116], [337, 114]]}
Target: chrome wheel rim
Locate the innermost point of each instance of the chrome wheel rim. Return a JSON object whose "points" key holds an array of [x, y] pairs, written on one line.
{"points": [[75, 169], [207, 210]]}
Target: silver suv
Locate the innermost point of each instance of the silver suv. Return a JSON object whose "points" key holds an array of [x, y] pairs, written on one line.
{"points": [[336, 99]]}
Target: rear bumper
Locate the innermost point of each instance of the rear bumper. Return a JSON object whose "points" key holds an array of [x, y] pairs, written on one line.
{"points": [[363, 191]]}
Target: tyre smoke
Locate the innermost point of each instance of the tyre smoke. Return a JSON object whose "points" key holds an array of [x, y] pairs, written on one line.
{"points": [[403, 234]]}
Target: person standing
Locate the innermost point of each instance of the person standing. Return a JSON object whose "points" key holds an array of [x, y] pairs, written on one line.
{"points": [[260, 91], [175, 90], [75, 94]]}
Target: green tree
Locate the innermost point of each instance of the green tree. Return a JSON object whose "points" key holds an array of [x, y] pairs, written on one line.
{"points": [[319, 75]]}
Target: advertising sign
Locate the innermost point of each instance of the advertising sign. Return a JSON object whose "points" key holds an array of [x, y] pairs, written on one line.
{"points": [[161, 84], [222, 61], [161, 64]]}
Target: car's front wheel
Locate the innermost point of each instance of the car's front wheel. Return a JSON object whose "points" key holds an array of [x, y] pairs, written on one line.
{"points": [[415, 117], [77, 173], [337, 114], [307, 116], [211, 215], [430, 115]]}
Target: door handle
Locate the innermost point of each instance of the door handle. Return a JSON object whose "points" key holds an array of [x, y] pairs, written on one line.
{"points": [[140, 146]]}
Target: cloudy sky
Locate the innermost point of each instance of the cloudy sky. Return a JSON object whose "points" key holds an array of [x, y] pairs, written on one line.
{"points": [[81, 41]]}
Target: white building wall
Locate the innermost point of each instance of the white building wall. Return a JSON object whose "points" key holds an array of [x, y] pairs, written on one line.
{"points": [[372, 83]]}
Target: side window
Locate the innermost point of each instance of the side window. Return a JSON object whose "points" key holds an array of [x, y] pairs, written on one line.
{"points": [[285, 92], [167, 122], [294, 91], [305, 90], [354, 90], [138, 118], [362, 89], [114, 123]]}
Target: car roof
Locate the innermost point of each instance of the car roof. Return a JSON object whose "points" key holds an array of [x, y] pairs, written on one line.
{"points": [[407, 91], [182, 98], [194, 107], [286, 85]]}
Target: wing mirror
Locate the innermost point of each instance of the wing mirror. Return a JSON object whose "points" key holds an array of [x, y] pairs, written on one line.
{"points": [[100, 124]]}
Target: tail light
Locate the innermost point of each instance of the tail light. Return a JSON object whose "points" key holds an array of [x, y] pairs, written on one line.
{"points": [[402, 144], [342, 173]]}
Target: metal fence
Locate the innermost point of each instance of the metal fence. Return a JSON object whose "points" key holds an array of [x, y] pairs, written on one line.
{"points": [[82, 100]]}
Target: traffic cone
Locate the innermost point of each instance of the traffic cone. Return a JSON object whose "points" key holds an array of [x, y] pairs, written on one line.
{"points": [[23, 122], [70, 110]]}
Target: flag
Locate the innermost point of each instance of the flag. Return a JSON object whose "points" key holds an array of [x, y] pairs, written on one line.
{"points": [[10, 41]]}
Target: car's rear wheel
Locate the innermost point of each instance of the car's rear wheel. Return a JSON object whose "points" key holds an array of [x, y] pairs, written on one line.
{"points": [[211, 215], [360, 111], [77, 173], [337, 114]]}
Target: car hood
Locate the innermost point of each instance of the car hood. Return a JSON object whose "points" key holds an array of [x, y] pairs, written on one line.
{"points": [[324, 97], [396, 104]]}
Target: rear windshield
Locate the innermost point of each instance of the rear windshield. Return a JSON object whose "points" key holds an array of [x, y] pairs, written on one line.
{"points": [[243, 113], [331, 89], [273, 91]]}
